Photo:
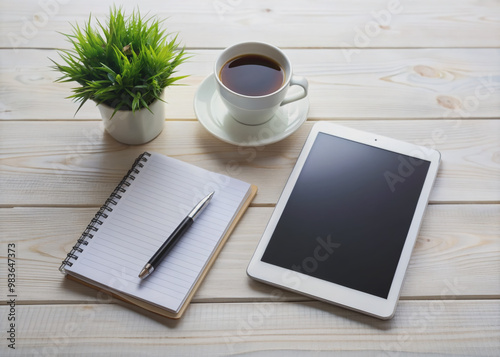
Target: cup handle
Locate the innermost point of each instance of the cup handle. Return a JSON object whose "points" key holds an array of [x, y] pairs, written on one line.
{"points": [[298, 81]]}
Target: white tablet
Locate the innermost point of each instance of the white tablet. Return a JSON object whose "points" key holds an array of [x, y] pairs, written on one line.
{"points": [[346, 222]]}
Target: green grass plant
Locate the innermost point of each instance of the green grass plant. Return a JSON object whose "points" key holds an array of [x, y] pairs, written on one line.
{"points": [[125, 63]]}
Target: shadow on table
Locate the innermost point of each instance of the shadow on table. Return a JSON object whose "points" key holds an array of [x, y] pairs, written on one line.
{"points": [[306, 305], [94, 296]]}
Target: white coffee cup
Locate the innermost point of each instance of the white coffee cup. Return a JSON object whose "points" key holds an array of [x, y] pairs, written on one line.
{"points": [[255, 110]]}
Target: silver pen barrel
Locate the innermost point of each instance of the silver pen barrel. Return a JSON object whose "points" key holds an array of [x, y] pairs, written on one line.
{"points": [[200, 206]]}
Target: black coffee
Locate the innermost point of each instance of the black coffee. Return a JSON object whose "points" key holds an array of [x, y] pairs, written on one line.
{"points": [[252, 75]]}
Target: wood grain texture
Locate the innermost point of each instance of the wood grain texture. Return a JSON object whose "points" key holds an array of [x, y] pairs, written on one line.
{"points": [[297, 23], [371, 84], [46, 163], [422, 71], [434, 327], [457, 256]]}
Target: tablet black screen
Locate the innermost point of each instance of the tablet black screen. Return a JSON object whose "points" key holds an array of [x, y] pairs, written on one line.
{"points": [[348, 215]]}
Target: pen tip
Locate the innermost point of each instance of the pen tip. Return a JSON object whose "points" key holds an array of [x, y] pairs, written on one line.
{"points": [[146, 271], [143, 273]]}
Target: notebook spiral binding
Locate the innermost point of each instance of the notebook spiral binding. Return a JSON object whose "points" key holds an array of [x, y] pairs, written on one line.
{"points": [[102, 213]]}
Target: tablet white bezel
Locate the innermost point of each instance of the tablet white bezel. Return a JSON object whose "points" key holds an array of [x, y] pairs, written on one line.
{"points": [[331, 292]]}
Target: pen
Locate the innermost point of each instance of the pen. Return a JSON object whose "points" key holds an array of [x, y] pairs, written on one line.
{"points": [[174, 237]]}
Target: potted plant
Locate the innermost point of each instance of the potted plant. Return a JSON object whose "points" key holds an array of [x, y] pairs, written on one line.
{"points": [[124, 66]]}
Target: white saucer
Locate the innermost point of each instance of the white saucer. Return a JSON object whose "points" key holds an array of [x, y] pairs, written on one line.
{"points": [[214, 116]]}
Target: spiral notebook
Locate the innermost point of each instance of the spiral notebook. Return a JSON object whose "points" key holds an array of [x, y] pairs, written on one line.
{"points": [[142, 211]]}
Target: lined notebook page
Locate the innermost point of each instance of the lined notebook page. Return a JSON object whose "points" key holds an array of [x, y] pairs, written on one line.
{"points": [[159, 198]]}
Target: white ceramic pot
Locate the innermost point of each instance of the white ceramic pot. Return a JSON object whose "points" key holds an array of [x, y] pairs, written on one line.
{"points": [[134, 128]]}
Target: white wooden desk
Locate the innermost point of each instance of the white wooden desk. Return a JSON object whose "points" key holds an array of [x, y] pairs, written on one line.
{"points": [[426, 71]]}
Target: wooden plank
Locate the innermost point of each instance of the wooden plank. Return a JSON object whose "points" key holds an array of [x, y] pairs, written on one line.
{"points": [[382, 84], [339, 24], [430, 61], [46, 163], [457, 256], [434, 327]]}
